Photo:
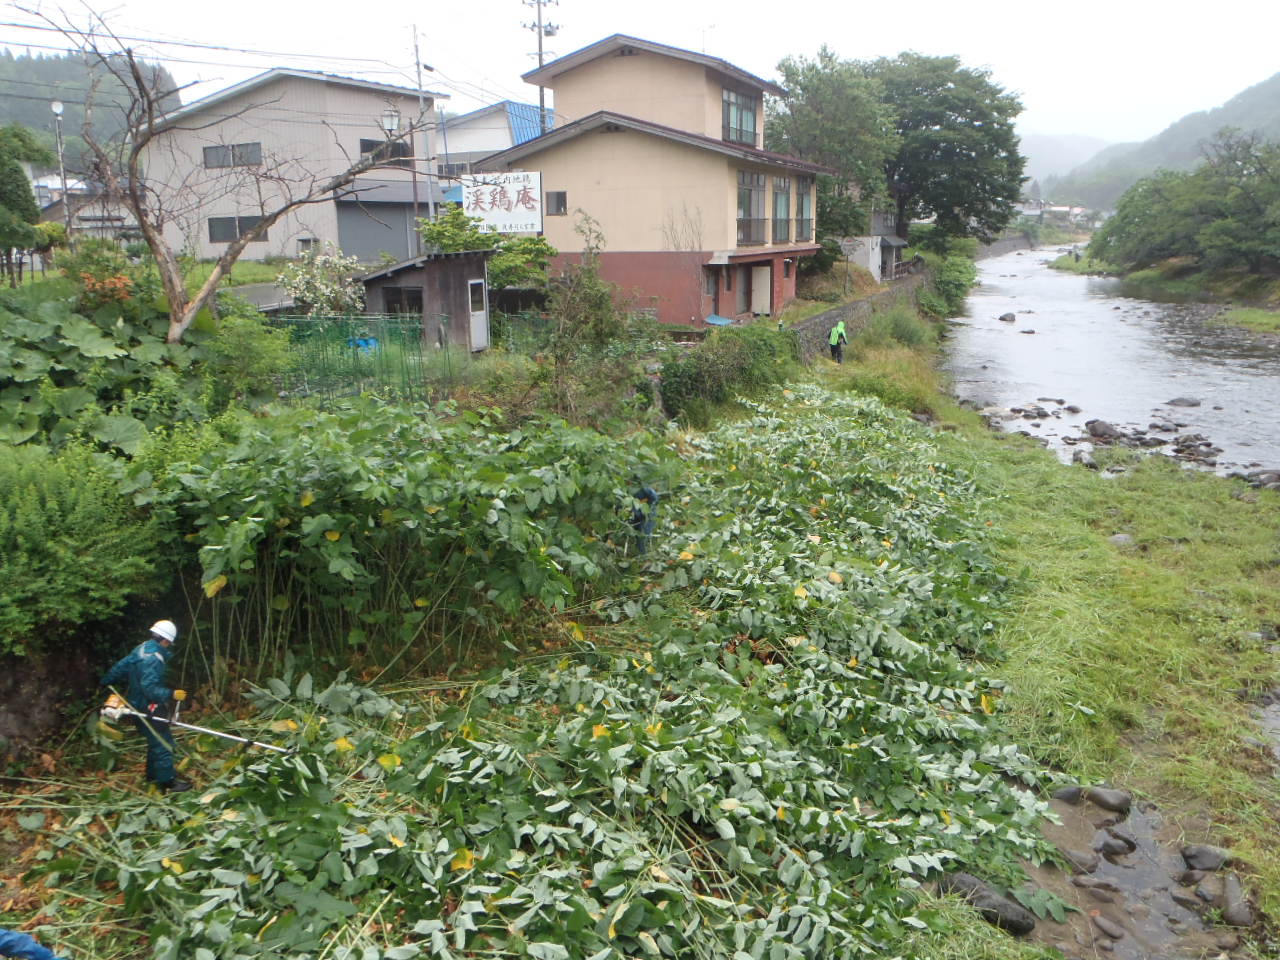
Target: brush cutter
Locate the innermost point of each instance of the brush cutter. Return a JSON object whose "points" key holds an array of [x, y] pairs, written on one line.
{"points": [[117, 707]]}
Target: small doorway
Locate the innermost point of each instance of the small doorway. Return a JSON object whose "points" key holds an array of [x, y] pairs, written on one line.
{"points": [[762, 289]]}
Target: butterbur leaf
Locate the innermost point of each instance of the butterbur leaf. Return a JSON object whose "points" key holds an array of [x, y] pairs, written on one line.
{"points": [[332, 535], [464, 859], [120, 431], [214, 586], [307, 498], [343, 745], [801, 592], [389, 762]]}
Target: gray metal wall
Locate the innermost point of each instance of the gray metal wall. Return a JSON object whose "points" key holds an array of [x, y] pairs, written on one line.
{"points": [[361, 235]]}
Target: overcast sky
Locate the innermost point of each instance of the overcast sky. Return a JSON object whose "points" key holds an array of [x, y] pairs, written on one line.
{"points": [[1113, 69]]}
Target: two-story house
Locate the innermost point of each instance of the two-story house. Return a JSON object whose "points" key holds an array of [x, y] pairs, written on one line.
{"points": [[219, 163], [663, 147]]}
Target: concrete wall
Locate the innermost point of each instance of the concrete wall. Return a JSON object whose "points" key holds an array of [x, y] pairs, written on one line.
{"points": [[813, 332], [1001, 247]]}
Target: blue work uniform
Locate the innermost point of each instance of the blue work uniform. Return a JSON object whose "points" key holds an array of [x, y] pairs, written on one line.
{"points": [[643, 521], [144, 669], [23, 947]]}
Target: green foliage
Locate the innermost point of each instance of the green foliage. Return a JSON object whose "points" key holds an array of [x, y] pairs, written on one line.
{"points": [[517, 262], [732, 361], [65, 373], [793, 748], [823, 260], [245, 357], [951, 279], [72, 549], [899, 324], [378, 527], [1220, 216], [949, 118], [322, 281], [1264, 321], [23, 144], [833, 114], [49, 235]]}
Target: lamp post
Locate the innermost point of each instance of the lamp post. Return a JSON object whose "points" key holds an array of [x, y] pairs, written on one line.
{"points": [[542, 30], [56, 107], [390, 123]]}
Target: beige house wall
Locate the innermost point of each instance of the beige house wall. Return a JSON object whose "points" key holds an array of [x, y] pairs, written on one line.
{"points": [[309, 130], [675, 93], [649, 194]]}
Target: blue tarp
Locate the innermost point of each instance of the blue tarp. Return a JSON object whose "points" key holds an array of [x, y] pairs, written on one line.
{"points": [[718, 321]]}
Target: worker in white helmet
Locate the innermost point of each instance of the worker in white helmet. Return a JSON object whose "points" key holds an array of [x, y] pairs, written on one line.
{"points": [[144, 670]]}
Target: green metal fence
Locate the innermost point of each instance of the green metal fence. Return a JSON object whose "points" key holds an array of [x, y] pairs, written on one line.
{"points": [[391, 355]]}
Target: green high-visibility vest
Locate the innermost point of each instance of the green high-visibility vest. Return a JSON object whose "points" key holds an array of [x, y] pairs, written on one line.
{"points": [[837, 332]]}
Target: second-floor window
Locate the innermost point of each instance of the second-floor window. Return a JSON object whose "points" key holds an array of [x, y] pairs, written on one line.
{"points": [[557, 203], [781, 209], [739, 117], [751, 217], [233, 155], [388, 153], [231, 229], [804, 209]]}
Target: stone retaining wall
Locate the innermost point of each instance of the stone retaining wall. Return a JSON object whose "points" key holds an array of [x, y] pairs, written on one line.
{"points": [[814, 331], [1007, 245]]}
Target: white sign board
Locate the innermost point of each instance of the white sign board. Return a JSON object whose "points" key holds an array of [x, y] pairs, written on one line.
{"points": [[505, 202]]}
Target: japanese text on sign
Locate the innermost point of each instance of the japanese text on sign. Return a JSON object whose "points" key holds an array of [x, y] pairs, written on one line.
{"points": [[504, 202]]}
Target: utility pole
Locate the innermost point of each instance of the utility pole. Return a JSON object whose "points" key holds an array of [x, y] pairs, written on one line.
{"points": [[413, 152], [542, 30]]}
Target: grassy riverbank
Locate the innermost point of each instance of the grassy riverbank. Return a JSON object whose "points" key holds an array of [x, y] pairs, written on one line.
{"points": [[1263, 321]]}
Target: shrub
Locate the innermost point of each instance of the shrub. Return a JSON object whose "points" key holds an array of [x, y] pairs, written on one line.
{"points": [[953, 278], [899, 324], [72, 548], [244, 357], [732, 361]]}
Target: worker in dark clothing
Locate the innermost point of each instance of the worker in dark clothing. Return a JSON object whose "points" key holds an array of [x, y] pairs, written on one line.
{"points": [[642, 520], [144, 669], [23, 947], [837, 340]]}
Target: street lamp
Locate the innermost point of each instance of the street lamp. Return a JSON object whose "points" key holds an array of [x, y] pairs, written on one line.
{"points": [[56, 107], [390, 121]]}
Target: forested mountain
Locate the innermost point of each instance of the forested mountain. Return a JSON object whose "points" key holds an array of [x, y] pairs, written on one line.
{"points": [[29, 84], [1051, 155], [1100, 182]]}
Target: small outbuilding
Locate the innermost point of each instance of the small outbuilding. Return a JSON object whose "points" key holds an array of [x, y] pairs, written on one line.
{"points": [[450, 291]]}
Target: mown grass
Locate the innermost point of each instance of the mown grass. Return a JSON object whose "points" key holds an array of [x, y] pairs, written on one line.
{"points": [[1126, 664], [1264, 321], [242, 272]]}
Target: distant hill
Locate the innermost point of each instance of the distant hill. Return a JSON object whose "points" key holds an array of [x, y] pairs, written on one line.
{"points": [[1050, 155], [29, 84], [1101, 181]]}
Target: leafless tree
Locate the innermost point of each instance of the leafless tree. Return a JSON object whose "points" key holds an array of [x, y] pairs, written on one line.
{"points": [[281, 184]]}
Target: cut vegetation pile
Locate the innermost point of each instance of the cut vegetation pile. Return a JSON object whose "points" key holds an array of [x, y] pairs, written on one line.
{"points": [[758, 748]]}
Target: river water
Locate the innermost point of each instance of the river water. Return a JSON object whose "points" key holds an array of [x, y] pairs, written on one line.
{"points": [[1117, 357]]}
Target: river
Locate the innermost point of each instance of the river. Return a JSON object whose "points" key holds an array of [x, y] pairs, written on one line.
{"points": [[1117, 357]]}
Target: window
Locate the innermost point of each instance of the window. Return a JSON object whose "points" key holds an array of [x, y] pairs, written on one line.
{"points": [[306, 244], [233, 155], [804, 209], [728, 279], [739, 116], [388, 153], [781, 209], [402, 300], [477, 296], [786, 267], [557, 204], [709, 281], [751, 218], [231, 229], [454, 169]]}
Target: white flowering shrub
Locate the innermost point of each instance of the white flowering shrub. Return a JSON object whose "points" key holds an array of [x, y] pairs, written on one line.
{"points": [[321, 282]]}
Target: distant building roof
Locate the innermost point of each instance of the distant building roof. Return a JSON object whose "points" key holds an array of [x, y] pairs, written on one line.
{"points": [[603, 118], [420, 261], [369, 190], [276, 73], [521, 119], [544, 74]]}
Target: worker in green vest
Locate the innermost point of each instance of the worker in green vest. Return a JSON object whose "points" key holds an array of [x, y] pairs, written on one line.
{"points": [[837, 339]]}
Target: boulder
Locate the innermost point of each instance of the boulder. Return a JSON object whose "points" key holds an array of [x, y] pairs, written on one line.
{"points": [[1074, 793], [1204, 856], [995, 909], [1109, 927], [1072, 408], [1102, 430], [1183, 402], [1115, 800], [1085, 861], [1007, 318]]}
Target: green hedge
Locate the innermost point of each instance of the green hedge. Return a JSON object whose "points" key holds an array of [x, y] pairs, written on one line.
{"points": [[732, 361], [72, 548]]}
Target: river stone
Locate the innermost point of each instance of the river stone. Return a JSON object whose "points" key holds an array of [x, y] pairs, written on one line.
{"points": [[1203, 856], [1026, 331], [1183, 402], [1119, 540], [1086, 861], [1072, 408], [1072, 794], [1108, 799], [1236, 911], [1187, 901], [1124, 836], [1102, 430], [995, 909], [1093, 883], [1085, 459], [1189, 878], [1008, 317], [1114, 848], [1109, 927]]}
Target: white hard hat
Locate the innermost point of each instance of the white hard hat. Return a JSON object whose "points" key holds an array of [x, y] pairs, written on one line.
{"points": [[165, 630]]}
